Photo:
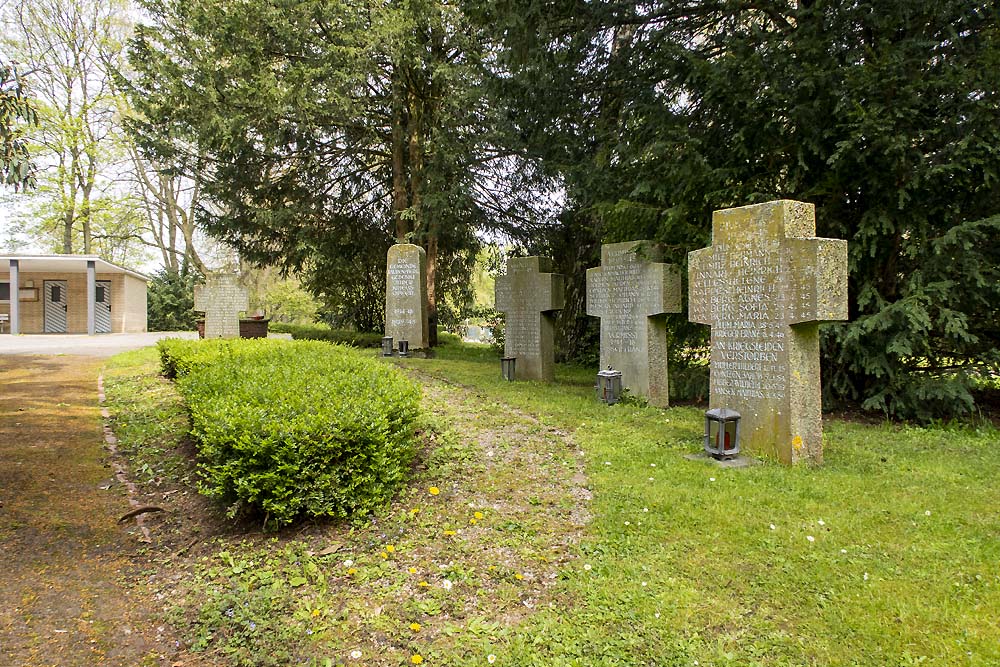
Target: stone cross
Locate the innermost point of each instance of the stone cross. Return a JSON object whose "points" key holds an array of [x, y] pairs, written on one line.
{"points": [[221, 298], [406, 296], [631, 292], [529, 295], [764, 286]]}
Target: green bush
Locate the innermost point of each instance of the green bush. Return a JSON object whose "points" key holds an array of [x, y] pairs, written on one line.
{"points": [[295, 429], [324, 333], [170, 301]]}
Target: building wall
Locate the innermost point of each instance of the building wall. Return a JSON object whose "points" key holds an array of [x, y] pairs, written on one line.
{"points": [[134, 304], [128, 297]]}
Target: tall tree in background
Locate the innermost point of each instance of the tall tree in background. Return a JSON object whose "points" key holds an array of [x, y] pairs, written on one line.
{"points": [[331, 129], [885, 115], [65, 43], [16, 112]]}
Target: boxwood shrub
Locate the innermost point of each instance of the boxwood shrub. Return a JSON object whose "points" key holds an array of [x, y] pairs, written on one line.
{"points": [[320, 332], [295, 428]]}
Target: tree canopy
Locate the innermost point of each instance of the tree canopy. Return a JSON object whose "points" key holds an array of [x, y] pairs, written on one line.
{"points": [[885, 115], [16, 111], [326, 130]]}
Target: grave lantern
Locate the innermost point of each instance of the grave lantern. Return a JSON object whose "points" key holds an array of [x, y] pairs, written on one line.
{"points": [[507, 368], [404, 348], [609, 386], [387, 346], [722, 433]]}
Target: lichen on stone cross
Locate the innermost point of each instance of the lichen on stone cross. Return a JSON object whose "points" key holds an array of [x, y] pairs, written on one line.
{"points": [[529, 295], [221, 298], [764, 286], [632, 292]]}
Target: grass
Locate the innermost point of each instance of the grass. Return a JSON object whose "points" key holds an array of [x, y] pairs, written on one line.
{"points": [[885, 555]]}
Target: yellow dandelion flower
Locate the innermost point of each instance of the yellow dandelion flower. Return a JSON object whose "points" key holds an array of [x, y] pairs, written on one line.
{"points": [[415, 627], [434, 490], [416, 659], [519, 576], [390, 548], [478, 515], [351, 570], [414, 510], [316, 612], [423, 583], [449, 532], [472, 522], [413, 570], [384, 555]]}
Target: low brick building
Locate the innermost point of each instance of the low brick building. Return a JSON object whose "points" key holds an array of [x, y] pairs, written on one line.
{"points": [[80, 294]]}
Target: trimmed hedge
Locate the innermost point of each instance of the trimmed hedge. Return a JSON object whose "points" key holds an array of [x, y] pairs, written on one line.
{"points": [[295, 428], [317, 332]]}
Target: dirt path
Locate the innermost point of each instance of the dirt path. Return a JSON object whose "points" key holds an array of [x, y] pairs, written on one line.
{"points": [[71, 584]]}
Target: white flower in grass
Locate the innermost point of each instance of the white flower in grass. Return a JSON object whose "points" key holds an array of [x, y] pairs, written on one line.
{"points": [[607, 463], [348, 562], [810, 538], [586, 566], [773, 527], [711, 479], [927, 513], [491, 658], [446, 584], [356, 654], [866, 576], [821, 522]]}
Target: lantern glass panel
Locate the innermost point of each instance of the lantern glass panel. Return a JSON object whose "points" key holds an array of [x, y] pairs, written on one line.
{"points": [[730, 441]]}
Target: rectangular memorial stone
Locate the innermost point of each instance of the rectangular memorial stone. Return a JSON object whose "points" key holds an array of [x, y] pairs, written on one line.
{"points": [[221, 298], [764, 286], [406, 295], [529, 295], [632, 292]]}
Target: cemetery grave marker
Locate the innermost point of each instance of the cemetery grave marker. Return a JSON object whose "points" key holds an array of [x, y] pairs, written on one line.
{"points": [[221, 298], [764, 286], [529, 294], [406, 295], [632, 293]]}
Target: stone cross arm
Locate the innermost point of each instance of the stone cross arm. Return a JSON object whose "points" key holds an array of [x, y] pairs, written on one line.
{"points": [[817, 280], [206, 297], [537, 289], [814, 284], [658, 289]]}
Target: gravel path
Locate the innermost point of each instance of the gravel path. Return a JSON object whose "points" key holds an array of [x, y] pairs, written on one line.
{"points": [[72, 592]]}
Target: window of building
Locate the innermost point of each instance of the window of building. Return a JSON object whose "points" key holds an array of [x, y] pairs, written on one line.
{"points": [[4, 291]]}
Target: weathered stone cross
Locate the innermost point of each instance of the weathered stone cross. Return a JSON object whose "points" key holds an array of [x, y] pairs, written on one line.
{"points": [[221, 298], [631, 292], [764, 286], [529, 295]]}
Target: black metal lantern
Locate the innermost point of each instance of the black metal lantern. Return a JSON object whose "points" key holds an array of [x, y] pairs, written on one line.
{"points": [[609, 386], [722, 433], [387, 346], [507, 365], [404, 348]]}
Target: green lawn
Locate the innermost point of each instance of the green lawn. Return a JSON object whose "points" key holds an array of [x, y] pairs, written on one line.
{"points": [[886, 555]]}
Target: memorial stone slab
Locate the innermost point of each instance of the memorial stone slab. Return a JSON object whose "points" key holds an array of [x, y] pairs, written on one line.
{"points": [[221, 298], [764, 286], [406, 295], [529, 294], [632, 292]]}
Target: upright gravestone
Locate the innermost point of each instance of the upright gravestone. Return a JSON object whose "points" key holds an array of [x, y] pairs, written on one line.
{"points": [[764, 286], [632, 292], [221, 298], [529, 295], [406, 295]]}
